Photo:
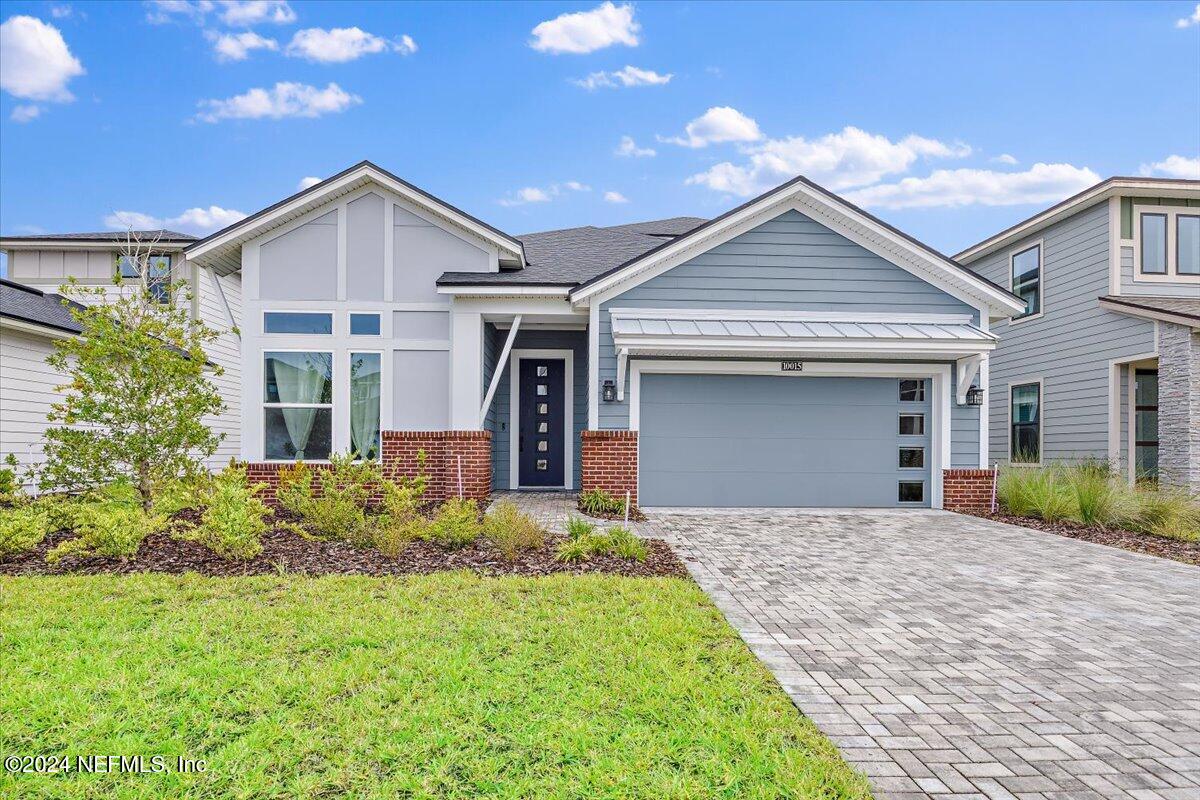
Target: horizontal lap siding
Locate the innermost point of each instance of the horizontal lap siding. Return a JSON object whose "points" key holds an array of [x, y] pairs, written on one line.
{"points": [[225, 351], [27, 388], [1069, 346]]}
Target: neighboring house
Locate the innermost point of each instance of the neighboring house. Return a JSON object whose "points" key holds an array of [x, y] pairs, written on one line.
{"points": [[795, 351], [1104, 363]]}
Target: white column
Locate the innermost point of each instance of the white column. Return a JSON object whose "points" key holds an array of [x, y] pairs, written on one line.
{"points": [[466, 369], [984, 424]]}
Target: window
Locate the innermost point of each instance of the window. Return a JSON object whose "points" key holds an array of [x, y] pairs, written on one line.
{"points": [[364, 324], [1187, 244], [912, 391], [1027, 279], [1025, 439], [297, 405], [365, 386], [912, 424], [912, 458], [1145, 423], [1154, 244], [297, 322], [158, 273], [912, 492]]}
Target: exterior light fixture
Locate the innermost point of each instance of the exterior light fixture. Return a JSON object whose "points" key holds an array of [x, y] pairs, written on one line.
{"points": [[974, 396], [610, 391]]}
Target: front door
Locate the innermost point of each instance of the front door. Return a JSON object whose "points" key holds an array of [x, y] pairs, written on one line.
{"points": [[543, 411]]}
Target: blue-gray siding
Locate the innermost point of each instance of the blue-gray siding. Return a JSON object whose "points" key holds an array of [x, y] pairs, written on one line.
{"points": [[755, 440], [1070, 346], [792, 263], [1143, 288]]}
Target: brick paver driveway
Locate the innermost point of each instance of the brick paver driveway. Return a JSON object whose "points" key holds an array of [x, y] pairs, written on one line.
{"points": [[948, 655]]}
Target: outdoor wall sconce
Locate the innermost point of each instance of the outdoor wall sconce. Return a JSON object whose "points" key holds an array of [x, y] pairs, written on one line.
{"points": [[974, 396], [610, 391]]}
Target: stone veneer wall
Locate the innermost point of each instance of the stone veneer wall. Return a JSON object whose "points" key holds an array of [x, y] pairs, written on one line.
{"points": [[1178, 406]]}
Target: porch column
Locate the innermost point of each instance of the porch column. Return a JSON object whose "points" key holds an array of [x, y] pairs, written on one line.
{"points": [[466, 370]]}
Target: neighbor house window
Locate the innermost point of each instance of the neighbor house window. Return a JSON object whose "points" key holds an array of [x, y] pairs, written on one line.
{"points": [[1027, 279], [158, 273], [297, 405], [912, 390], [302, 322], [1167, 243], [1025, 442], [1145, 423], [1187, 244], [365, 385], [1154, 244], [364, 324]]}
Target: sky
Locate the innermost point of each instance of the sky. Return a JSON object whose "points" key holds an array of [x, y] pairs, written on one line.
{"points": [[950, 121]]}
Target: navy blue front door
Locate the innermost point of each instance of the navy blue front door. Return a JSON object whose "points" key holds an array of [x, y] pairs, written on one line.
{"points": [[541, 418]]}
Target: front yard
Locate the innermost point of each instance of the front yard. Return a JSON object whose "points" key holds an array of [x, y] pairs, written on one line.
{"points": [[446, 685]]}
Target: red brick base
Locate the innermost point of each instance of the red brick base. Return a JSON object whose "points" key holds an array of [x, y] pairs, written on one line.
{"points": [[967, 489], [609, 461], [445, 452]]}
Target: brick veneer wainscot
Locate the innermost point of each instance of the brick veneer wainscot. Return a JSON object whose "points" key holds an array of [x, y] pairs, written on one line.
{"points": [[967, 489], [444, 452], [610, 462]]}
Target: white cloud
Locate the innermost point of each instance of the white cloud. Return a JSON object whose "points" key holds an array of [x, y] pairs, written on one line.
{"points": [[851, 157], [160, 12], [193, 220], [587, 31], [306, 182], [237, 46], [1187, 22], [627, 77], [282, 100], [718, 124], [37, 63], [26, 113], [1041, 183], [338, 45], [628, 148], [615, 197], [240, 13], [1174, 166], [1005, 158], [535, 194], [62, 12]]}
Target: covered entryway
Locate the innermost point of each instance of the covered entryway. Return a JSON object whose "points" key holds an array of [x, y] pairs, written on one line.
{"points": [[784, 440]]}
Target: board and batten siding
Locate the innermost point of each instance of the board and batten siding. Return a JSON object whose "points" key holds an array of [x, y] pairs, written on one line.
{"points": [[1069, 347], [790, 263]]}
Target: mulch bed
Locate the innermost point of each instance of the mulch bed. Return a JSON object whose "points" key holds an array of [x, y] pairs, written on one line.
{"points": [[1146, 543], [635, 514], [286, 551]]}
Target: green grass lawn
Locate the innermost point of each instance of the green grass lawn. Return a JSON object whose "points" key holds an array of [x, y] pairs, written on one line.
{"points": [[448, 685]]}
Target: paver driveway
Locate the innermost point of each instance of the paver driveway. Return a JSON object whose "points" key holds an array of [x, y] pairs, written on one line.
{"points": [[952, 655]]}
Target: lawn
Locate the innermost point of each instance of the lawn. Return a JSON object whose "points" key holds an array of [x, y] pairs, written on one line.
{"points": [[448, 685]]}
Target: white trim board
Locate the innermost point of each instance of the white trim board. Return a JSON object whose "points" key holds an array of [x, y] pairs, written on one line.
{"points": [[940, 405], [514, 413]]}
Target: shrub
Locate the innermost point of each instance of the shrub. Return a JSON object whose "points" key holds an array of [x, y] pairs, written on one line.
{"points": [[511, 531], [22, 528], [578, 527], [1095, 494], [392, 536], [1033, 492], [624, 544], [233, 522], [456, 524], [600, 502], [185, 493], [336, 508], [574, 550], [10, 485], [108, 529], [617, 541], [1166, 513], [294, 492]]}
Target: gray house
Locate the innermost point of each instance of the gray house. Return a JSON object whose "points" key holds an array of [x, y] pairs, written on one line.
{"points": [[1104, 361], [795, 351]]}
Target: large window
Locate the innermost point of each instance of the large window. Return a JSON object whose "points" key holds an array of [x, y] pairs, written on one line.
{"points": [[297, 405], [1187, 244], [1154, 244], [1027, 279], [365, 384], [158, 273], [303, 322], [1145, 423], [1168, 243], [1025, 438]]}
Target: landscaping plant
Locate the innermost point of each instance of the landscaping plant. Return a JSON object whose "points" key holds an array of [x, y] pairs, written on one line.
{"points": [[108, 529], [578, 527], [599, 502], [582, 545], [22, 528], [456, 524], [511, 531], [233, 521], [336, 506], [138, 387], [10, 485]]}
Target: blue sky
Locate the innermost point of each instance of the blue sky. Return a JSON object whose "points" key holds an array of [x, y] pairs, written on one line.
{"points": [[950, 121]]}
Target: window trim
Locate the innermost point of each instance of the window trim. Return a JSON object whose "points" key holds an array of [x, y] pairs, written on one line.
{"points": [[1012, 254], [332, 324], [1041, 421], [1172, 275], [350, 315], [1134, 408], [264, 405], [383, 387], [921, 414]]}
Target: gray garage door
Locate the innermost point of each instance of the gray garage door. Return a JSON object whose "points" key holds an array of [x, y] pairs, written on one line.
{"points": [[749, 440]]}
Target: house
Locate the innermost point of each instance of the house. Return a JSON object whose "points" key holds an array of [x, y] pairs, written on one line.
{"points": [[1104, 361], [795, 351]]}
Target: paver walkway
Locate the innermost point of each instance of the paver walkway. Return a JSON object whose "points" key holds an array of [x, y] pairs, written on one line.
{"points": [[954, 656]]}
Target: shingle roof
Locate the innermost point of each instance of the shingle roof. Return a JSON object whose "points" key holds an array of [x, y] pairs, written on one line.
{"points": [[1180, 306], [27, 304], [107, 236], [573, 255]]}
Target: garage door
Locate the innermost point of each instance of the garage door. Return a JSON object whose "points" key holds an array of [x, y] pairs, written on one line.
{"points": [[751, 440]]}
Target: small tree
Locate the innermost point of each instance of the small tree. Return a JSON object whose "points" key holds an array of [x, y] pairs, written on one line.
{"points": [[138, 389]]}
